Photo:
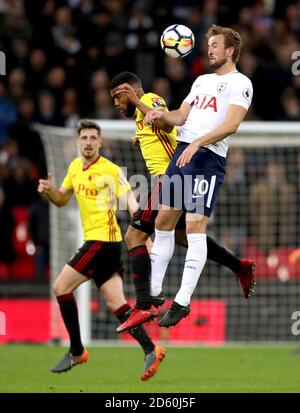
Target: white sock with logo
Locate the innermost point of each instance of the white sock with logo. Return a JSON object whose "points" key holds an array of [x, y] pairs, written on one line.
{"points": [[161, 253], [194, 262]]}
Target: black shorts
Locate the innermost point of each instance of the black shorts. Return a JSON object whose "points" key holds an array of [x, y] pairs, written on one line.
{"points": [[98, 260]]}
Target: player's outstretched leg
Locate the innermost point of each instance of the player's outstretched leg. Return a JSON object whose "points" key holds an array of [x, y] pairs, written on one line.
{"points": [[141, 270], [246, 277], [174, 315], [69, 361], [153, 354], [137, 318], [243, 268], [152, 362]]}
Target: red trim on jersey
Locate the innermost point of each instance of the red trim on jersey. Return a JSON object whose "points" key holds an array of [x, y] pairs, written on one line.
{"points": [[112, 232], [167, 140], [92, 163], [95, 247], [152, 201], [166, 144]]}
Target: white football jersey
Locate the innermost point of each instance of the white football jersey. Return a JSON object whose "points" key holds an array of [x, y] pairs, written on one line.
{"points": [[210, 97]]}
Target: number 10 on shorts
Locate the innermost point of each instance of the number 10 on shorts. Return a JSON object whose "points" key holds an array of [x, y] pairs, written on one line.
{"points": [[202, 187]]}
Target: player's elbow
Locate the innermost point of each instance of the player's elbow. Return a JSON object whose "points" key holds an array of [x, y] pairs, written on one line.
{"points": [[232, 128], [61, 202], [182, 117], [180, 121]]}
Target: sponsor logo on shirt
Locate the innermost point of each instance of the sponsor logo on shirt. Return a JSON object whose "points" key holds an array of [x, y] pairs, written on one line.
{"points": [[247, 93], [88, 192], [205, 102], [221, 87]]}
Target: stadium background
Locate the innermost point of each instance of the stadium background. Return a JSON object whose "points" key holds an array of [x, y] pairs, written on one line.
{"points": [[60, 57]]}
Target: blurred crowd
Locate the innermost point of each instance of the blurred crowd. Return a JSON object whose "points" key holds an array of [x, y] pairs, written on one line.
{"points": [[62, 54]]}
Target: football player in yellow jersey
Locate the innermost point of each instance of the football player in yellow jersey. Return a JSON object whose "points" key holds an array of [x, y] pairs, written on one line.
{"points": [[157, 143], [98, 186]]}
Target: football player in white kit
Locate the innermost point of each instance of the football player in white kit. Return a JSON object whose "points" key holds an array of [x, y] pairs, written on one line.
{"points": [[213, 110]]}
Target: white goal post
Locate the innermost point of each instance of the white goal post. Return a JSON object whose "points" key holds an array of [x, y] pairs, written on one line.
{"points": [[261, 153]]}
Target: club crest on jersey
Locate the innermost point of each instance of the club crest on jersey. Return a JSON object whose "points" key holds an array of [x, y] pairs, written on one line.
{"points": [[157, 103], [247, 93], [221, 87]]}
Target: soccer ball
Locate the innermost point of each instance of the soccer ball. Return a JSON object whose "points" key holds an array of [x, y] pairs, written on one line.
{"points": [[177, 40]]}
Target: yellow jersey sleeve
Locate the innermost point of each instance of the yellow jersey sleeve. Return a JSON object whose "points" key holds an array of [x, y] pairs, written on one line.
{"points": [[67, 182], [157, 146]]}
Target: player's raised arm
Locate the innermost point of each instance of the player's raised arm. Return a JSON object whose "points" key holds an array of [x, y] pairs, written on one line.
{"points": [[58, 197], [173, 118], [130, 92]]}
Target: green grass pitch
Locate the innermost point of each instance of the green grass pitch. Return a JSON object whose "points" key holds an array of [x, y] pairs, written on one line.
{"points": [[25, 368]]}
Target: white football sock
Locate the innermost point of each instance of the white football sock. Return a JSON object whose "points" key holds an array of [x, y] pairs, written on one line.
{"points": [[161, 253], [194, 262]]}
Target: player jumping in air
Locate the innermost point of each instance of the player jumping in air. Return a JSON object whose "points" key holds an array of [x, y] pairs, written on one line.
{"points": [[98, 185], [158, 143]]}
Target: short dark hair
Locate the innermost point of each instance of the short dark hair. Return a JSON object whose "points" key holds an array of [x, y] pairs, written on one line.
{"points": [[231, 39], [125, 77], [88, 124]]}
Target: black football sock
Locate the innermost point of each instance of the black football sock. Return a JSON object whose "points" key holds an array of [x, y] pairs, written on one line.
{"points": [[219, 254], [69, 312], [141, 273], [139, 333]]}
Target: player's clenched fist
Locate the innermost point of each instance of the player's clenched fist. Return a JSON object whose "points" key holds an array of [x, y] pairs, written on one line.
{"points": [[45, 184]]}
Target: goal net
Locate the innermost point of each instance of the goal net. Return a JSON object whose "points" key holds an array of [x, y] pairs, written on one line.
{"points": [[257, 216]]}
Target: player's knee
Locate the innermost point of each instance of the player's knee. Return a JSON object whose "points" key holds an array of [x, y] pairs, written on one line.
{"points": [[166, 220], [59, 289], [56, 290], [163, 225], [128, 238], [196, 224]]}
